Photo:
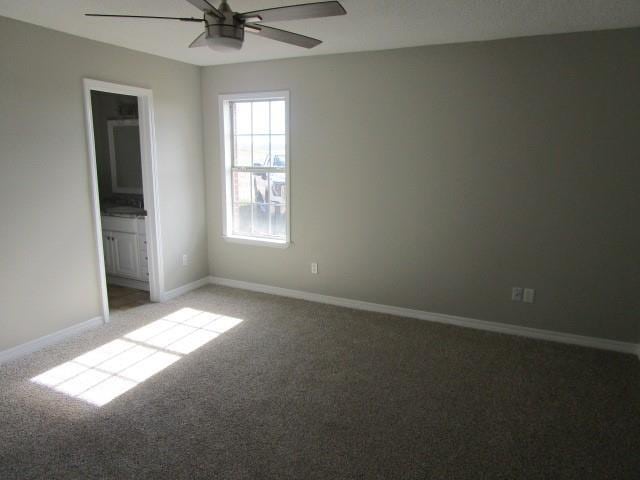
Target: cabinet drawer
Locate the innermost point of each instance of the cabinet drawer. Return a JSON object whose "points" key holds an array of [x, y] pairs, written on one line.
{"points": [[120, 224]]}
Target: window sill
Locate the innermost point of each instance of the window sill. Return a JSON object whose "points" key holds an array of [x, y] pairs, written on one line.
{"points": [[257, 242]]}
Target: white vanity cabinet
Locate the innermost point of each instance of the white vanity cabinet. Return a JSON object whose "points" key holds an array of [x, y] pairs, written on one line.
{"points": [[124, 254], [143, 258], [109, 263], [125, 247]]}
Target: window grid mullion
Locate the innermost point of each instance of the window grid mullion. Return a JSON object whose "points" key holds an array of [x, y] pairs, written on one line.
{"points": [[259, 169]]}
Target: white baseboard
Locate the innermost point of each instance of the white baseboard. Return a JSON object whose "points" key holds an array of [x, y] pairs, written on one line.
{"points": [[38, 343], [127, 282], [176, 292], [593, 342]]}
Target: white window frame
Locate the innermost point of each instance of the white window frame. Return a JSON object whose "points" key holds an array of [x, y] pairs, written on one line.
{"points": [[224, 119]]}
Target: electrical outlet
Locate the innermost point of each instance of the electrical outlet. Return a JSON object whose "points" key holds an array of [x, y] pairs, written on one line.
{"points": [[517, 294], [529, 295], [314, 268], [185, 260]]}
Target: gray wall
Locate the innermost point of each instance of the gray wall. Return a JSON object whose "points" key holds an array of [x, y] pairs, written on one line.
{"points": [[48, 266], [437, 178], [433, 178]]}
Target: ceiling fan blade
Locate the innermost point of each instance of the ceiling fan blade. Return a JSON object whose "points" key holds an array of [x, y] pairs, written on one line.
{"points": [[182, 19], [200, 41], [205, 6], [295, 12], [282, 35]]}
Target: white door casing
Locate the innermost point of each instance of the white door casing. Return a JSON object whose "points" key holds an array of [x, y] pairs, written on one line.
{"points": [[149, 181]]}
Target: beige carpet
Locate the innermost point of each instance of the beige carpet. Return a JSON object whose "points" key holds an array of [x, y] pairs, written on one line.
{"points": [[303, 391]]}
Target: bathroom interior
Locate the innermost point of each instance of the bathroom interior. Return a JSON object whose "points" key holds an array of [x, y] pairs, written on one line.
{"points": [[120, 185]]}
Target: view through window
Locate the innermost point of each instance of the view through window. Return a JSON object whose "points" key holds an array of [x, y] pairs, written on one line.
{"points": [[256, 173]]}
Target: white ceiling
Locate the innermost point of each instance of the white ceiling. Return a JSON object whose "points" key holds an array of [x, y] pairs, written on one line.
{"points": [[369, 24]]}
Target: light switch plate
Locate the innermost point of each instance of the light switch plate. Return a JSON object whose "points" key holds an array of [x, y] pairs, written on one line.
{"points": [[516, 294]]}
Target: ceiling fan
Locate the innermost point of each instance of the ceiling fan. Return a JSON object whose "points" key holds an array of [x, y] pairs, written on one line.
{"points": [[224, 28]]}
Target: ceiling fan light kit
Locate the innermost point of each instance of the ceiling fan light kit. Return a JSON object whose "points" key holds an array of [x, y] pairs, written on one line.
{"points": [[225, 29], [222, 33]]}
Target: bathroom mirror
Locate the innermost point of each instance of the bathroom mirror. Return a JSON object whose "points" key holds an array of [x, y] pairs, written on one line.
{"points": [[124, 153]]}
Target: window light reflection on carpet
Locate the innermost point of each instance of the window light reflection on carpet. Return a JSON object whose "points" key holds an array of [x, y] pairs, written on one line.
{"points": [[110, 370]]}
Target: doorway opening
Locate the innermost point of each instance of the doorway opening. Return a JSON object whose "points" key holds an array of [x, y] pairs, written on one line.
{"points": [[124, 187]]}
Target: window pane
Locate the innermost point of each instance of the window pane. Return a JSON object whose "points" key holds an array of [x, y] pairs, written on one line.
{"points": [[243, 151], [278, 192], [260, 117], [242, 116], [241, 187], [260, 220], [260, 187], [242, 219], [260, 150], [278, 151], [277, 116], [278, 220]]}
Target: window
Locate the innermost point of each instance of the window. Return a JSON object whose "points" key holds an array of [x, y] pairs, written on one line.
{"points": [[255, 149]]}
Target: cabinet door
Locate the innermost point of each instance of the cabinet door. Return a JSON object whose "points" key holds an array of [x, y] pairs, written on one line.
{"points": [[144, 259], [107, 246], [125, 248]]}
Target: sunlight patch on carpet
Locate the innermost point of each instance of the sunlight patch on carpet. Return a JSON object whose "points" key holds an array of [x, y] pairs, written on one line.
{"points": [[112, 369]]}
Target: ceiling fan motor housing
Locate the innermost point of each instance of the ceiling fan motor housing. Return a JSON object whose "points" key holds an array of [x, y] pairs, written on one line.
{"points": [[224, 34], [225, 37]]}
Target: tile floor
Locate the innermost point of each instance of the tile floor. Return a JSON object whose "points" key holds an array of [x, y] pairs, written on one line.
{"points": [[124, 298]]}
